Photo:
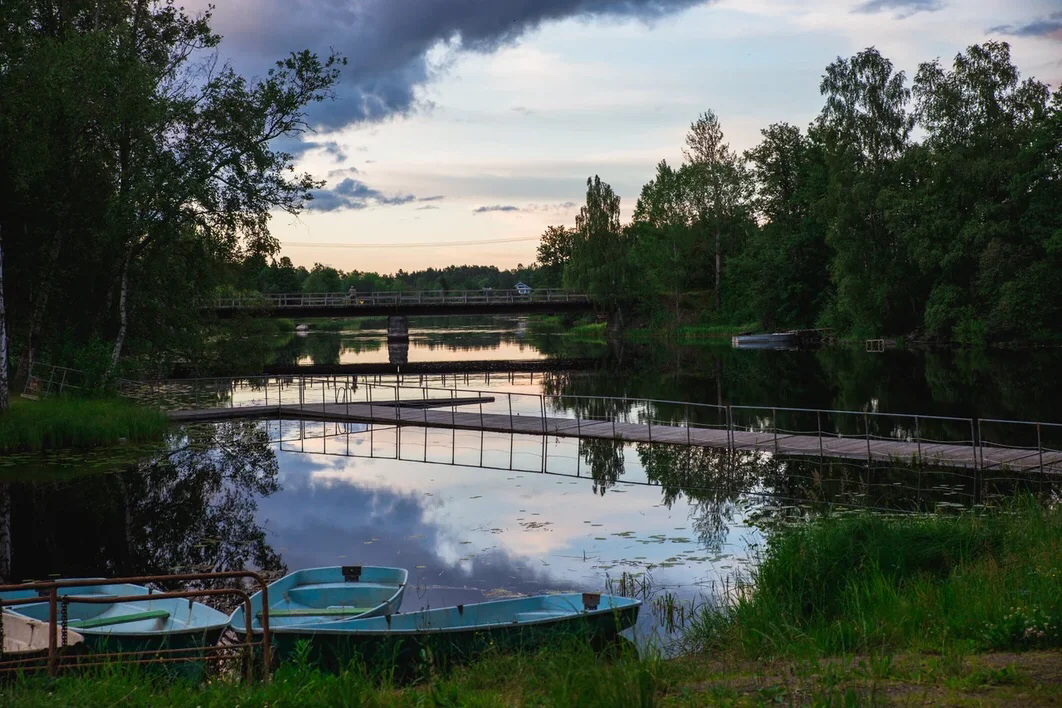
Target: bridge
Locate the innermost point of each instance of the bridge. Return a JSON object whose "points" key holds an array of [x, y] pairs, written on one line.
{"points": [[421, 302]]}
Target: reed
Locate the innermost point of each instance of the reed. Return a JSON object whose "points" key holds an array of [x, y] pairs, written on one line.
{"points": [[66, 423]]}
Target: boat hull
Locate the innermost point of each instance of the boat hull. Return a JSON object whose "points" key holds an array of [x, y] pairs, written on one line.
{"points": [[316, 595], [404, 650], [141, 629]]}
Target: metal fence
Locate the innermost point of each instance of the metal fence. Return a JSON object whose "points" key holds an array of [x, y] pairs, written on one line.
{"points": [[60, 593], [46, 380], [377, 299]]}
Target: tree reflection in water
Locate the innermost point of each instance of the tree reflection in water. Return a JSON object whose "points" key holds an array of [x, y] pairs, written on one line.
{"points": [[189, 509]]}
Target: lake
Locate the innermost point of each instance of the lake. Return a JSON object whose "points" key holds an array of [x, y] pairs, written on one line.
{"points": [[476, 516]]}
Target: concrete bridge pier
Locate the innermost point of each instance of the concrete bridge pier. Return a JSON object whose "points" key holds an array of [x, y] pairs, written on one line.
{"points": [[397, 328]]}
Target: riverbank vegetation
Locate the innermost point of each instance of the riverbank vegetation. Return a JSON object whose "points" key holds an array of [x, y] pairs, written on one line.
{"points": [[869, 584], [852, 609], [128, 153], [73, 423], [857, 223]]}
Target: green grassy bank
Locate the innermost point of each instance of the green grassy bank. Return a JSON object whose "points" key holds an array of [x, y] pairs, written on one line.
{"points": [[65, 423], [873, 584], [854, 610]]}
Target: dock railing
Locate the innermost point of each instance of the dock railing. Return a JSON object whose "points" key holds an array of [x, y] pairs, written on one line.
{"points": [[979, 444]]}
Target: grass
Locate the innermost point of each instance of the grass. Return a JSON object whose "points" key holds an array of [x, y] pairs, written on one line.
{"points": [[850, 610], [65, 423], [865, 583]]}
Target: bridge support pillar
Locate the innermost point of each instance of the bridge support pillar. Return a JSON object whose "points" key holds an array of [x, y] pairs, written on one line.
{"points": [[397, 327]]}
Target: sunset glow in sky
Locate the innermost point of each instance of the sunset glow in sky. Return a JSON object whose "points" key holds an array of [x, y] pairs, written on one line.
{"points": [[465, 120]]}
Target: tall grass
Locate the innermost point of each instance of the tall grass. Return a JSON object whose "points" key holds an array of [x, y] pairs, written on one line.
{"points": [[868, 583], [568, 675], [63, 423]]}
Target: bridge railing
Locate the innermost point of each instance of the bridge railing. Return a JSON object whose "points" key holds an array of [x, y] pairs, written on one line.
{"points": [[382, 299]]}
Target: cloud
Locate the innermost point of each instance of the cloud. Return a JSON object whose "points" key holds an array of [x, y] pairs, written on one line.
{"points": [[389, 43], [344, 171], [354, 194], [495, 207], [903, 8], [562, 206], [427, 206], [1050, 26], [433, 198]]}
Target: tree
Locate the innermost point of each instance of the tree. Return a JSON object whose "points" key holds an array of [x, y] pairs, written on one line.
{"points": [[554, 252], [982, 242], [195, 161], [4, 396], [719, 187], [789, 269], [864, 129], [599, 263]]}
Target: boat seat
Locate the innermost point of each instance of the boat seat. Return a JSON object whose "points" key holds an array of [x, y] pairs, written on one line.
{"points": [[540, 615], [118, 619], [337, 611]]}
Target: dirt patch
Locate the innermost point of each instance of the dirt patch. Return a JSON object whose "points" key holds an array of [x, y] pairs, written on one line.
{"points": [[1031, 678]]}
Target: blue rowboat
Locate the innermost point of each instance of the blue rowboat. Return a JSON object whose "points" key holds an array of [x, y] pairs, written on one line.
{"points": [[317, 595], [139, 626], [455, 634]]}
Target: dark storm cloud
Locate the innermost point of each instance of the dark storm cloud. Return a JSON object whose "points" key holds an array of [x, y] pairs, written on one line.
{"points": [[387, 41], [495, 207], [354, 194], [1042, 27]]}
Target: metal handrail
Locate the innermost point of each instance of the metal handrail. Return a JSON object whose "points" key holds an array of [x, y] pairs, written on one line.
{"points": [[48, 591], [374, 299]]}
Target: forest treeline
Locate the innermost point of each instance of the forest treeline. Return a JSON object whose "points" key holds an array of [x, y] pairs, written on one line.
{"points": [[282, 276], [926, 208], [137, 173]]}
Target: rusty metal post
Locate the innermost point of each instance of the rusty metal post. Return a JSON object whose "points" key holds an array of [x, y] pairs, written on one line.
{"points": [[53, 627]]}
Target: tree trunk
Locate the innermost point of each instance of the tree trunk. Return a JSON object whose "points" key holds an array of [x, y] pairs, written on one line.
{"points": [[40, 308], [718, 271], [123, 315], [4, 395]]}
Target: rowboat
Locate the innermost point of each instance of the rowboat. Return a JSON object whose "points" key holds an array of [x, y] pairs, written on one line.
{"points": [[316, 595], [460, 633], [142, 626], [26, 638]]}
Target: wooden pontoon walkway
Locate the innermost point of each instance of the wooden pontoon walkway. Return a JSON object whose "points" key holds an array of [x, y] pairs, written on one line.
{"points": [[414, 413]]}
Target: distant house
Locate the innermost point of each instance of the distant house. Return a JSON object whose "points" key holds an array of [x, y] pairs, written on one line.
{"points": [[523, 288]]}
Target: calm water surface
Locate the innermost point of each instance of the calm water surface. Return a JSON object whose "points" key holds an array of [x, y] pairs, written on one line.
{"points": [[476, 516]]}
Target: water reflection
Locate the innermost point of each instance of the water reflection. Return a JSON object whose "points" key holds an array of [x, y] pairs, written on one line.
{"points": [[189, 509], [490, 515]]}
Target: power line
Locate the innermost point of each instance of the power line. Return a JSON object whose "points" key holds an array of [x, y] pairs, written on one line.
{"points": [[420, 244]]}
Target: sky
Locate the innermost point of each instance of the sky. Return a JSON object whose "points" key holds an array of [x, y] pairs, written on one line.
{"points": [[462, 128]]}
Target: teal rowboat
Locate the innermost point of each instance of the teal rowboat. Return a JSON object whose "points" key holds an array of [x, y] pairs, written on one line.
{"points": [[140, 626], [456, 634], [317, 595]]}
